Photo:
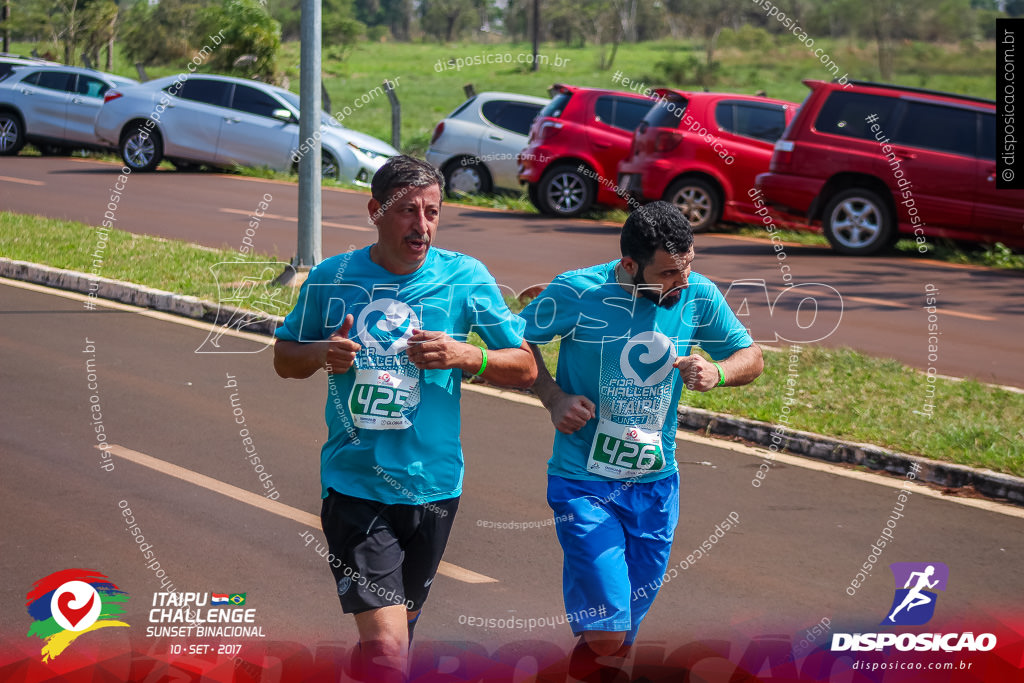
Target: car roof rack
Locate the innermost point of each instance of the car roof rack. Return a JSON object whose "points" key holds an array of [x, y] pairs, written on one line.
{"points": [[923, 91]]}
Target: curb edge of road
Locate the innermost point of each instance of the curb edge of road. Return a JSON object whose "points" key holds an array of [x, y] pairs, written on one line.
{"points": [[997, 486], [993, 485]]}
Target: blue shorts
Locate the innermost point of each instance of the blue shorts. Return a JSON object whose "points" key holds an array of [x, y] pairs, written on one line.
{"points": [[617, 538]]}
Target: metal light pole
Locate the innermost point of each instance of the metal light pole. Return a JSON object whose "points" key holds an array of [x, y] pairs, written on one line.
{"points": [[310, 250]]}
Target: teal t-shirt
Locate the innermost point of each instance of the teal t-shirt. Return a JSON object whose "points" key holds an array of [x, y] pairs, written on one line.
{"points": [[618, 350], [393, 429]]}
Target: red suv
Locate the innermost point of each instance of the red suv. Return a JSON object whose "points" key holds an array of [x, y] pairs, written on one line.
{"points": [[870, 161], [575, 145], [702, 151]]}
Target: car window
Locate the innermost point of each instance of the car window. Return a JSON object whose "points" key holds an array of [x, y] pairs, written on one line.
{"points": [[90, 87], [604, 110], [759, 121], [667, 113], [629, 112], [845, 113], [205, 90], [557, 105], [512, 116], [51, 80], [933, 126], [988, 136], [253, 101]]}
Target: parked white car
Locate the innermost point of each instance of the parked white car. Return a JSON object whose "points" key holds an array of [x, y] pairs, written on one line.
{"points": [[225, 121], [52, 106], [475, 147]]}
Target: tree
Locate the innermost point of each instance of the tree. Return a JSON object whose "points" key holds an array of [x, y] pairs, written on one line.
{"points": [[446, 20], [248, 31], [161, 34], [66, 25]]}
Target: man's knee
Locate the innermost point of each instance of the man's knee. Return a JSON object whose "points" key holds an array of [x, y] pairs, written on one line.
{"points": [[384, 645]]}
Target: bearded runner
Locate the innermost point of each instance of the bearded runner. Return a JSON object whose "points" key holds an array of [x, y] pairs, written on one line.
{"points": [[627, 328]]}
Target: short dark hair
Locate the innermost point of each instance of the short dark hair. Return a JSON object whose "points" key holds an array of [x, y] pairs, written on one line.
{"points": [[658, 225], [404, 171]]}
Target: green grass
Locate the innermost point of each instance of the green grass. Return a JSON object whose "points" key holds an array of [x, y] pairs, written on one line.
{"points": [[840, 393]]}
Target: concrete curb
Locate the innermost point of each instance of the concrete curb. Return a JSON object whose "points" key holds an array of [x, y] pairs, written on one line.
{"points": [[138, 295], [995, 485]]}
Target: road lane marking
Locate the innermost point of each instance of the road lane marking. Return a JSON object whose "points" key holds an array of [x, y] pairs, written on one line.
{"points": [[272, 506], [940, 311], [293, 219], [8, 179]]}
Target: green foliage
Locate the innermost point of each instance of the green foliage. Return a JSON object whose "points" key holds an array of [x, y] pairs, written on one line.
{"points": [[250, 37], [447, 20], [747, 37], [164, 33]]}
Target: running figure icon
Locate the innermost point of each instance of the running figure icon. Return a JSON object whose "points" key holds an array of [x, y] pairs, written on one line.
{"points": [[915, 597]]}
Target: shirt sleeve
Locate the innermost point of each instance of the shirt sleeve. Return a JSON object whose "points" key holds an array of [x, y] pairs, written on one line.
{"points": [[552, 313], [489, 315], [305, 322], [719, 333]]}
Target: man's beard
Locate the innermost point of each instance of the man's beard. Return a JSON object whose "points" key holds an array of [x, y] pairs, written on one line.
{"points": [[654, 294]]}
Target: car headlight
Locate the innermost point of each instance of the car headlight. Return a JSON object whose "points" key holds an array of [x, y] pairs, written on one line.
{"points": [[368, 153]]}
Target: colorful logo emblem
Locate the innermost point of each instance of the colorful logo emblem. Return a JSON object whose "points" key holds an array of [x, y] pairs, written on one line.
{"points": [[69, 603], [914, 601], [237, 598], [647, 358]]}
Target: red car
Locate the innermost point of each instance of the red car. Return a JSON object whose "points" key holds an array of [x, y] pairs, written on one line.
{"points": [[868, 161], [702, 151], [575, 145]]}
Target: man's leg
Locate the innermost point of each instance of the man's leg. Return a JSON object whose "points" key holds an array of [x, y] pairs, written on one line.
{"points": [[383, 646]]}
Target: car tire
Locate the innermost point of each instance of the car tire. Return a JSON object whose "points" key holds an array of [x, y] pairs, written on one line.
{"points": [[329, 168], [698, 200], [141, 150], [858, 222], [12, 134], [467, 175], [564, 191]]}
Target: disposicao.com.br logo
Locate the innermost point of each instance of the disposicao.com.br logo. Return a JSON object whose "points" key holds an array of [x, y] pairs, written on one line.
{"points": [[913, 604], [70, 603]]}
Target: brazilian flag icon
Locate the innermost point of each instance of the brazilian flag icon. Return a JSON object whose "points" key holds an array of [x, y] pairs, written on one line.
{"points": [[237, 598]]}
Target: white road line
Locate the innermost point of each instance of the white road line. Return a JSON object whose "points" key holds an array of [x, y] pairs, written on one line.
{"points": [[793, 460], [272, 506], [293, 219], [8, 179]]}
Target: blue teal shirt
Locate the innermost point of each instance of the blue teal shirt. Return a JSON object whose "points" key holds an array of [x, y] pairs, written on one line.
{"points": [[393, 429], [618, 351]]}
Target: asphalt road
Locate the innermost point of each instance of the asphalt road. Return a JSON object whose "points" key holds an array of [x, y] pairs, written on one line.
{"points": [[785, 567], [870, 304]]}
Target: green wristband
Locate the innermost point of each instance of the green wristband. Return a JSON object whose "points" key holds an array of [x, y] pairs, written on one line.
{"points": [[721, 375], [483, 364]]}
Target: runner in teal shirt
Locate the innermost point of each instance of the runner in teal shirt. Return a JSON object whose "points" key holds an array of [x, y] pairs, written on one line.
{"points": [[627, 331]]}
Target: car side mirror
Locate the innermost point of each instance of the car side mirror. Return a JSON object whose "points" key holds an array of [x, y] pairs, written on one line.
{"points": [[283, 115]]}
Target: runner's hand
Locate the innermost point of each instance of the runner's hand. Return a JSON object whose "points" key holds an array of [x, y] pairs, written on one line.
{"points": [[697, 373], [570, 412], [437, 351], [341, 351]]}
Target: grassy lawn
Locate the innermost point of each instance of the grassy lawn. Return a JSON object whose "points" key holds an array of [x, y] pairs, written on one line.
{"points": [[839, 393]]}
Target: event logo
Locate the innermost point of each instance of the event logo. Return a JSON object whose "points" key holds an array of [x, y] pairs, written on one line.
{"points": [[69, 603], [914, 603], [647, 358], [391, 323]]}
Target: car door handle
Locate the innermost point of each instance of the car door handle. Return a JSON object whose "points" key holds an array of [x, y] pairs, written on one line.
{"points": [[602, 144], [232, 119], [496, 137], [25, 91], [76, 100], [905, 154], [991, 175]]}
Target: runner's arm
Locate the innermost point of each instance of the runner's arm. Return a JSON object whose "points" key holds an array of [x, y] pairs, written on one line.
{"points": [[742, 367], [513, 367], [299, 360], [568, 412]]}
